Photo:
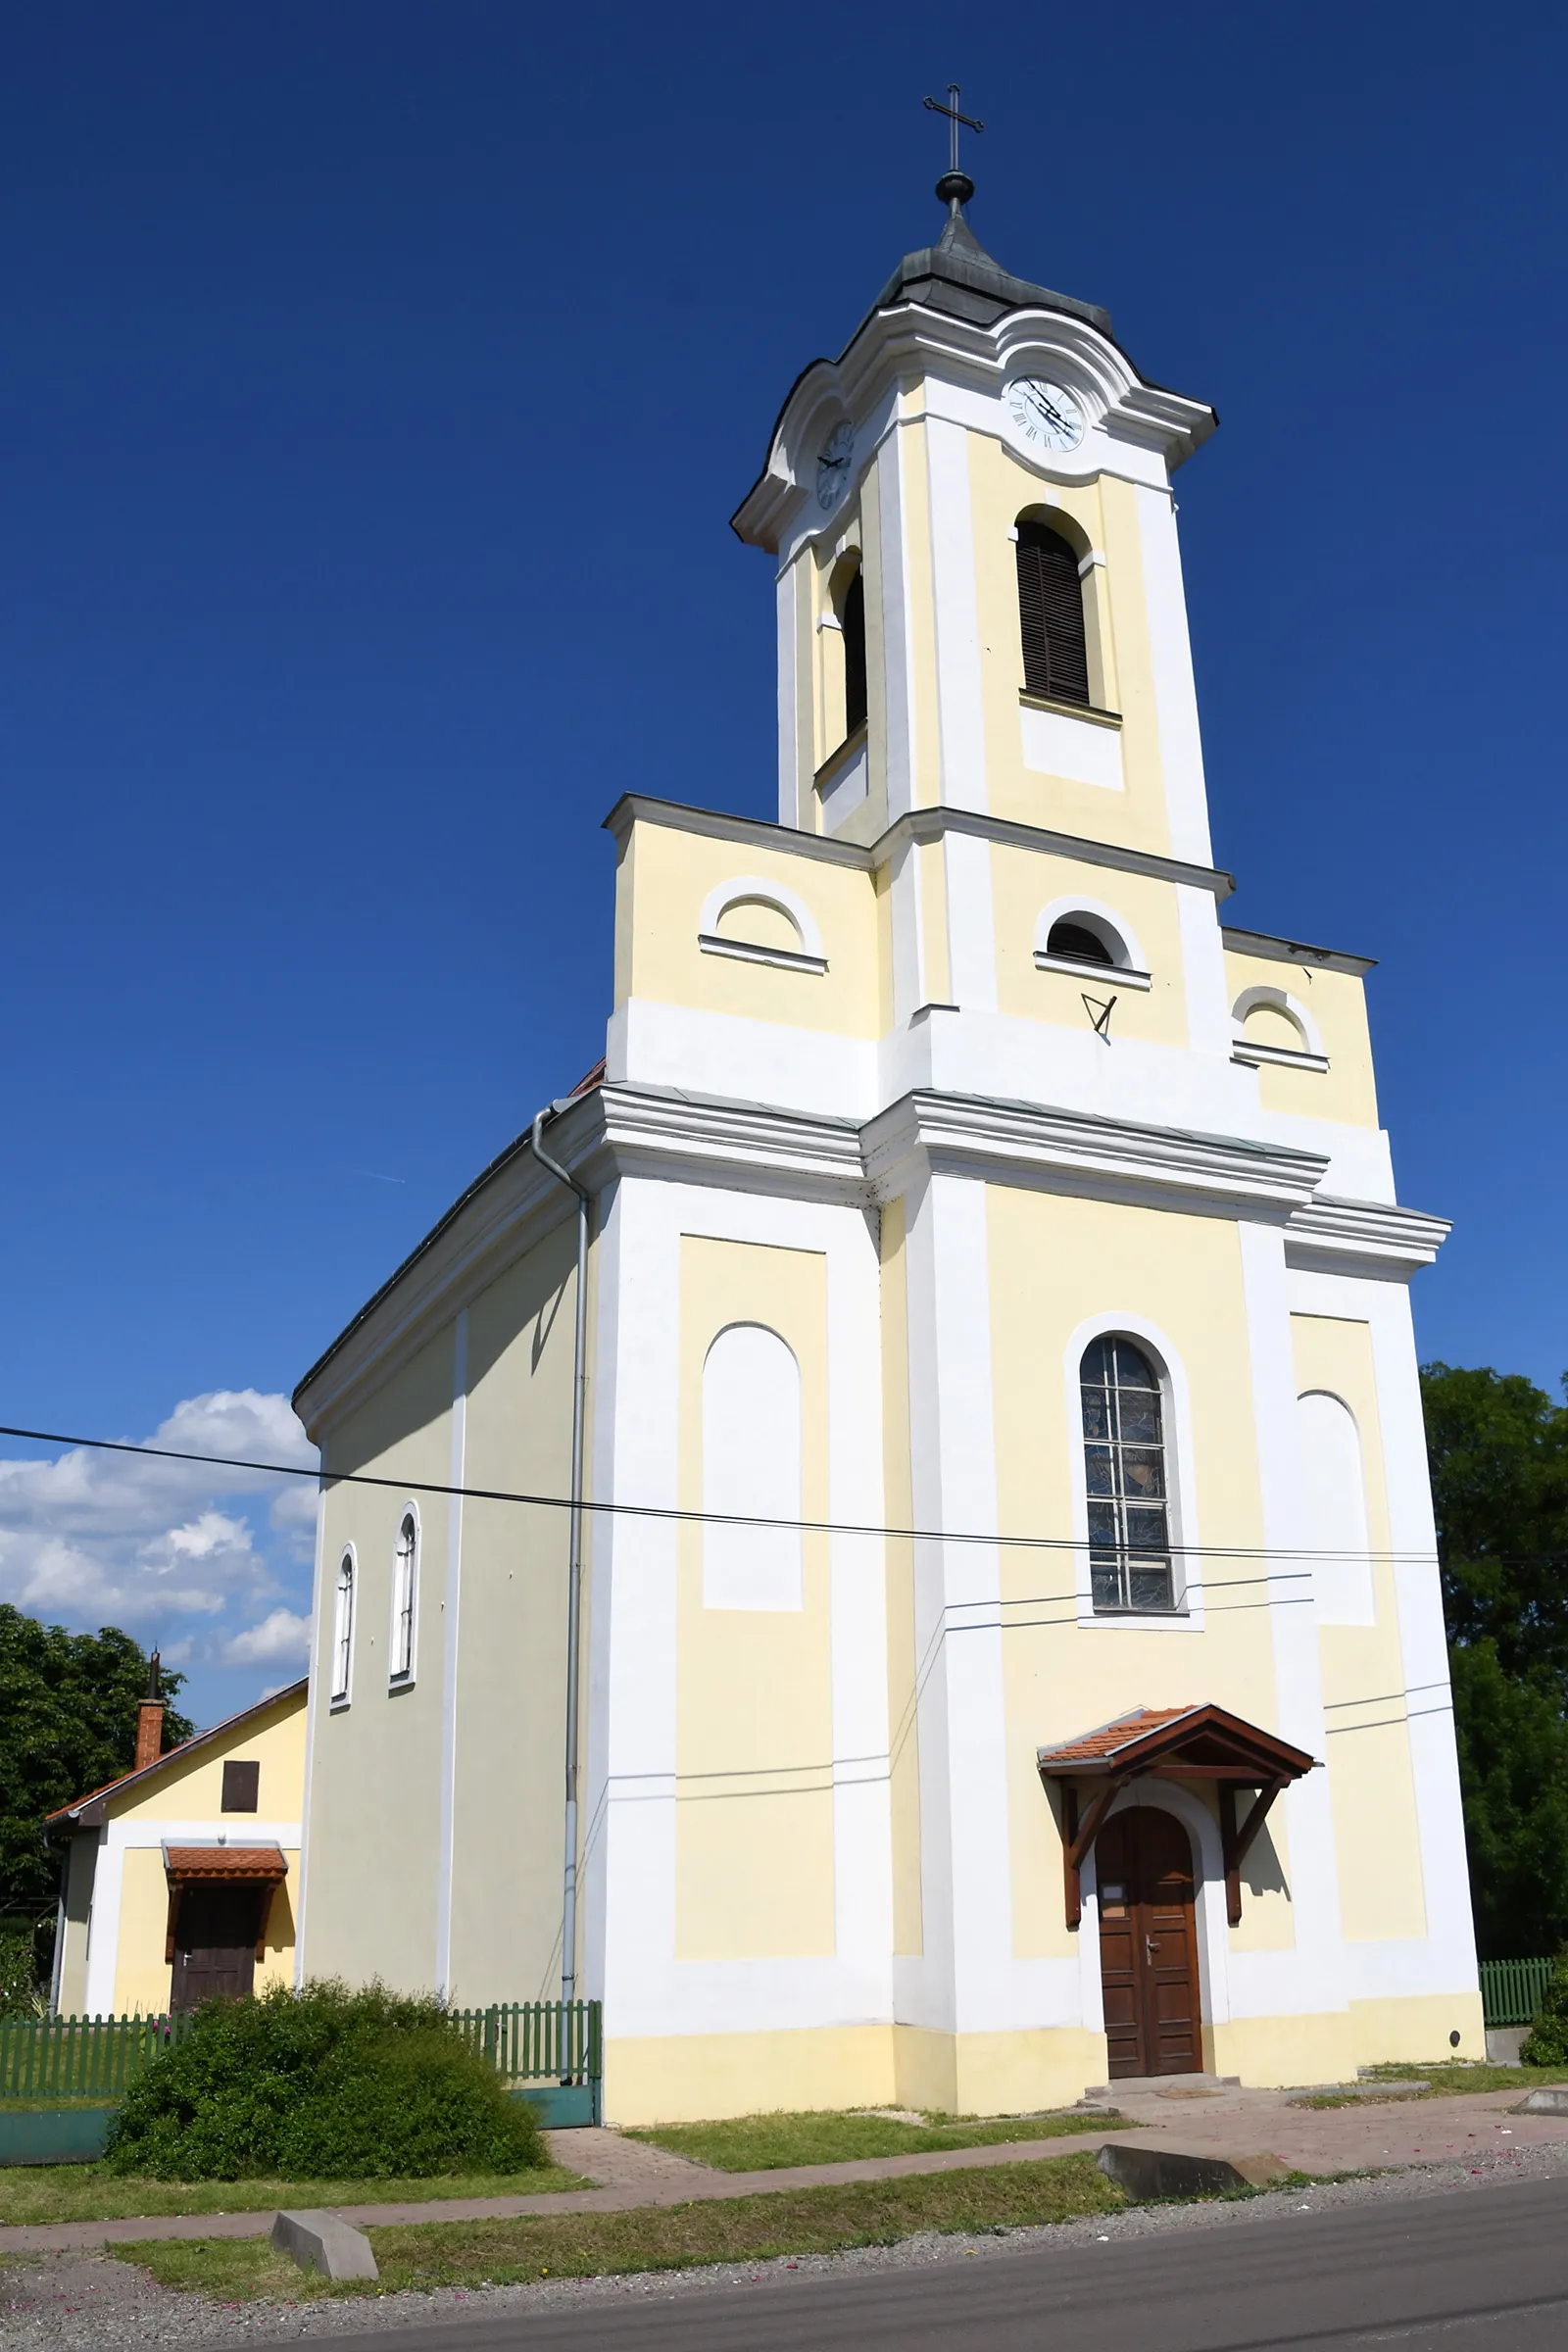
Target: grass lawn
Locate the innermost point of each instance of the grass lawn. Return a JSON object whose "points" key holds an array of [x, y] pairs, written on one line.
{"points": [[86, 2192], [1442, 2083], [761, 2143], [798, 2220]]}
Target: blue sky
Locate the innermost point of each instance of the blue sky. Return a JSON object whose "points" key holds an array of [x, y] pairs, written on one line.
{"points": [[376, 386]]}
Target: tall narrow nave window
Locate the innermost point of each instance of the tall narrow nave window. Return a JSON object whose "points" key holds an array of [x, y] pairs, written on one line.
{"points": [[1051, 615], [343, 1627], [854, 623], [405, 1597], [1124, 1465]]}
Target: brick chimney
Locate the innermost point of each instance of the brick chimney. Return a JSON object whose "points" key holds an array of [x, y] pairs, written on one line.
{"points": [[150, 1720]]}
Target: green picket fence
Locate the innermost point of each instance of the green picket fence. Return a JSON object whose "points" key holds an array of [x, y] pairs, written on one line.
{"points": [[100, 2057], [538, 2041], [1511, 1989], [80, 2057]]}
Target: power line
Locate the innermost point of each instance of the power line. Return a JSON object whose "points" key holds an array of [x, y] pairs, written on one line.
{"points": [[686, 1517]]}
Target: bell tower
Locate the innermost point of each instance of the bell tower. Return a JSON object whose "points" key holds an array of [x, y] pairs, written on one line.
{"points": [[970, 510]]}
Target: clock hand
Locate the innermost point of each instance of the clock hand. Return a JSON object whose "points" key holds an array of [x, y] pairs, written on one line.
{"points": [[1049, 412]]}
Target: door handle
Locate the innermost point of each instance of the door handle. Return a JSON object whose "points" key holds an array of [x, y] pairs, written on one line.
{"points": [[1151, 1947]]}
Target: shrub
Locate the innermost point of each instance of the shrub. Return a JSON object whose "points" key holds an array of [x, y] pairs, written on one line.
{"points": [[322, 2084], [21, 1994], [1546, 2043]]}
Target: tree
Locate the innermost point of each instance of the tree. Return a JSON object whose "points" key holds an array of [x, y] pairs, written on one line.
{"points": [[1498, 1452], [67, 1723]]}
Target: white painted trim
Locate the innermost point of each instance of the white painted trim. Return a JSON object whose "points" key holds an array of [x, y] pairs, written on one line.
{"points": [[103, 1925], [1253, 1056], [789, 807], [1181, 1477], [1128, 961], [1278, 999], [742, 889], [1094, 561], [1181, 750], [447, 1833], [399, 1679], [961, 706], [898, 659], [744, 953], [1122, 974], [339, 1702]]}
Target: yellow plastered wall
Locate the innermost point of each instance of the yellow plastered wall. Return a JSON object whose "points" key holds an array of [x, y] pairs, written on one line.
{"points": [[664, 878], [753, 1822], [370, 1904], [1056, 1263], [511, 1641], [1378, 1839], [1101, 515], [1023, 883], [902, 1725], [1336, 1002]]}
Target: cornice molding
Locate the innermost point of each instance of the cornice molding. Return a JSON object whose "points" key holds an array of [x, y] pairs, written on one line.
{"points": [[1083, 1153], [665, 1136], [916, 824], [1394, 1239], [1294, 950]]}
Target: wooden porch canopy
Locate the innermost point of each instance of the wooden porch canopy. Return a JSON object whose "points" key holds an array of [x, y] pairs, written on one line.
{"points": [[1201, 1742], [262, 1866]]}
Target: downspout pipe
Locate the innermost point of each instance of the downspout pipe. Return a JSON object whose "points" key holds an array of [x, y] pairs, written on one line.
{"points": [[579, 1415]]}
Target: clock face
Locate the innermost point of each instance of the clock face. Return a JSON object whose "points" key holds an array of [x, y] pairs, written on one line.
{"points": [[833, 466], [1044, 414]]}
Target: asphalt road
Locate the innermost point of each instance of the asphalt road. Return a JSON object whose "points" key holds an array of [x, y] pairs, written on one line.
{"points": [[1482, 2271]]}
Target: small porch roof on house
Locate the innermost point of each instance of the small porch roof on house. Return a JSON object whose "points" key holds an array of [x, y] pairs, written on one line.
{"points": [[1202, 1742], [226, 1865]]}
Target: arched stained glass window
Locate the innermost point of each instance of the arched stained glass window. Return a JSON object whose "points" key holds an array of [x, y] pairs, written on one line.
{"points": [[1125, 1469]]}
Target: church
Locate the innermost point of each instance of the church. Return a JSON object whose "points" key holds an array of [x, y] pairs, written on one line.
{"points": [[887, 1538]]}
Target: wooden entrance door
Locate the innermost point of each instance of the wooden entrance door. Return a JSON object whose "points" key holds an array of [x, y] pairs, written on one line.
{"points": [[1147, 1945], [215, 1943]]}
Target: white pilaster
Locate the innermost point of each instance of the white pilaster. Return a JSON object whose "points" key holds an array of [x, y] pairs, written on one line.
{"points": [[897, 653], [966, 1878], [959, 705], [1181, 750], [1311, 1976]]}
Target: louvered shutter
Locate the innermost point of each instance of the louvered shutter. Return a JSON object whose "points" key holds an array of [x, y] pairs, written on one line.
{"points": [[1051, 614]]}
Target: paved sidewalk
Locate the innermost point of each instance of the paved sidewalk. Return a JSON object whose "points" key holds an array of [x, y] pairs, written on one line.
{"points": [[1365, 2137]]}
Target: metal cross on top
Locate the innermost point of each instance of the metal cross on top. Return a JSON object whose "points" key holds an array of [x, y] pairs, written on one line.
{"points": [[955, 187]]}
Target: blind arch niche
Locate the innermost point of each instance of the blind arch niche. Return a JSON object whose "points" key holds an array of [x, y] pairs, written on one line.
{"points": [[751, 1467], [1333, 1509]]}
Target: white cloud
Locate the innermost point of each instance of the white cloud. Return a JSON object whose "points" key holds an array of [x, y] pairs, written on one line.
{"points": [[95, 1536], [282, 1637]]}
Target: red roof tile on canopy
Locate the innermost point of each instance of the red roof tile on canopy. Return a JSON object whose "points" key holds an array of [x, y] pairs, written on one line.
{"points": [[232, 1865], [1202, 1741]]}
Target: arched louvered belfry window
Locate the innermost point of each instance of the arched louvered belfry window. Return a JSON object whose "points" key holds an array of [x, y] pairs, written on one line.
{"points": [[852, 620], [1051, 614], [1124, 1472], [1075, 941]]}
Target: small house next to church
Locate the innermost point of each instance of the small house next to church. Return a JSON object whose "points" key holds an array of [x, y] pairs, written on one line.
{"points": [[181, 1878], [999, 1647]]}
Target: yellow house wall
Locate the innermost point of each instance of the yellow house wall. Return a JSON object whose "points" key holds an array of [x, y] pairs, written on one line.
{"points": [[1377, 1838], [1049, 1256], [1024, 882], [753, 1823], [194, 1792], [1336, 1002], [377, 1768], [663, 880]]}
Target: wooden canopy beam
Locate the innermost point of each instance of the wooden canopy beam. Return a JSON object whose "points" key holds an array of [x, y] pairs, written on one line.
{"points": [[1235, 1840], [1077, 1840]]}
